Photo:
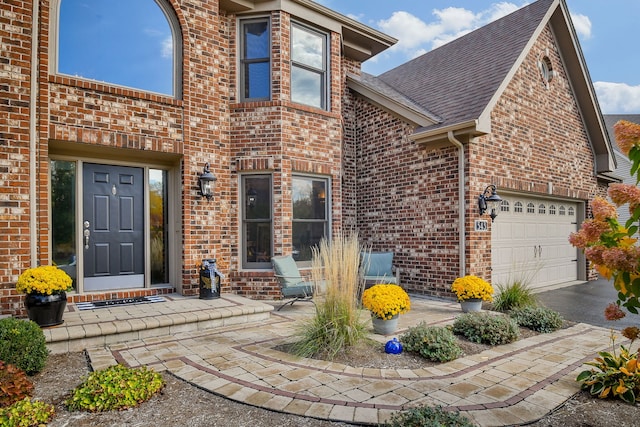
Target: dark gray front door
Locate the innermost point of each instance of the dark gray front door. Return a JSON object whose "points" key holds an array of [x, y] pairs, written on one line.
{"points": [[113, 224]]}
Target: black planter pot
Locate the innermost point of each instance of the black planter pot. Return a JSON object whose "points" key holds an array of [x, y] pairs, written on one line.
{"points": [[46, 310]]}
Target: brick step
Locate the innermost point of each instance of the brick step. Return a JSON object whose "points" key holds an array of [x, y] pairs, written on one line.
{"points": [[97, 327]]}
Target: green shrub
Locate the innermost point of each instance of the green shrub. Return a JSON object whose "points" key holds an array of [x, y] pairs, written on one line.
{"points": [[540, 319], [487, 328], [116, 387], [26, 413], [22, 343], [337, 323], [427, 416], [435, 343], [514, 295], [14, 384]]}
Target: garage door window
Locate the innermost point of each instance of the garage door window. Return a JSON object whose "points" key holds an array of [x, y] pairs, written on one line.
{"points": [[552, 209], [504, 206], [517, 207], [542, 209], [571, 211], [562, 211], [531, 208]]}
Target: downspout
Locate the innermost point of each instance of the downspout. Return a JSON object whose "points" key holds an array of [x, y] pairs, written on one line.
{"points": [[33, 133], [461, 208]]}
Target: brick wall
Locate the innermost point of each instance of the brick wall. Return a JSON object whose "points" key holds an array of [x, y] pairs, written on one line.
{"points": [[407, 197], [15, 91], [282, 138]]}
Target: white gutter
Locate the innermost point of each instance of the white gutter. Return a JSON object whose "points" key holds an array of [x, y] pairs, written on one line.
{"points": [[461, 208], [33, 135]]}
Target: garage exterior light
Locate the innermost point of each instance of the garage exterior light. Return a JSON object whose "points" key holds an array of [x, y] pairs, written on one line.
{"points": [[489, 199]]}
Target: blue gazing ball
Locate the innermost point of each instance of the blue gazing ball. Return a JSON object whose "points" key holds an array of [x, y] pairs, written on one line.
{"points": [[393, 346]]}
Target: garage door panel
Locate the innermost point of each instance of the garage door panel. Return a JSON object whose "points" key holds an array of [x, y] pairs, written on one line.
{"points": [[534, 244]]}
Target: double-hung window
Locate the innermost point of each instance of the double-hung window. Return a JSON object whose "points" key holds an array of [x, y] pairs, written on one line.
{"points": [[310, 215], [309, 66], [255, 59], [256, 221]]}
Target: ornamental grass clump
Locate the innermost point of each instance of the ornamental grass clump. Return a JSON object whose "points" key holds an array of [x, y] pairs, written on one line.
{"points": [[45, 279], [386, 300], [336, 323], [472, 287]]}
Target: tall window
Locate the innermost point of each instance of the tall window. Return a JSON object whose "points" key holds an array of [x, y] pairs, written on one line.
{"points": [[255, 59], [63, 216], [256, 221], [310, 217], [309, 62], [128, 43], [158, 224]]}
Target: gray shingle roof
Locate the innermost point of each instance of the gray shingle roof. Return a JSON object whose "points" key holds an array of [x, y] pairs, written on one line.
{"points": [[456, 81]]}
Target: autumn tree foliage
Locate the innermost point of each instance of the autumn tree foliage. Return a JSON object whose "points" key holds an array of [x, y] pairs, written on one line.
{"points": [[612, 247]]}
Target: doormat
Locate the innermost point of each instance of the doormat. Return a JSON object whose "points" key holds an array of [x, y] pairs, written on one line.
{"points": [[118, 302]]}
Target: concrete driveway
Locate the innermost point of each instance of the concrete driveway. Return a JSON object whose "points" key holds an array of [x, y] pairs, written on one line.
{"points": [[586, 303]]}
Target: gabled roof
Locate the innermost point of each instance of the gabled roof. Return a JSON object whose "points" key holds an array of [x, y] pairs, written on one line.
{"points": [[460, 82]]}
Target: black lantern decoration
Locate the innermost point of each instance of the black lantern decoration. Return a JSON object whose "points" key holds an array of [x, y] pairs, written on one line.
{"points": [[207, 182], [489, 199], [252, 197]]}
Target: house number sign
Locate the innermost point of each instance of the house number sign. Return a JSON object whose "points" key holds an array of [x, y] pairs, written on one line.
{"points": [[481, 225]]}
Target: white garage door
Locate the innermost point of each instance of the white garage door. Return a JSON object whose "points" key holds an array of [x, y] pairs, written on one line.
{"points": [[529, 241]]}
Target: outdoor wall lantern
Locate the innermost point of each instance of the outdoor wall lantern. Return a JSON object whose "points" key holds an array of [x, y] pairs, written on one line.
{"points": [[252, 198], [489, 199], [207, 182]]}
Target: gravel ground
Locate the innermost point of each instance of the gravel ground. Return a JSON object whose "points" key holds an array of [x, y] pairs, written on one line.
{"points": [[182, 404]]}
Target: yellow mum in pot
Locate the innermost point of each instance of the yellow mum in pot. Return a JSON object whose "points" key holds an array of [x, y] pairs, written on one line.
{"points": [[45, 279], [472, 287], [386, 300]]}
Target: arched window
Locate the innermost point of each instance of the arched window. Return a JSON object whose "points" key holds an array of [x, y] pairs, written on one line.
{"points": [[135, 44], [572, 211], [542, 209], [517, 207], [504, 206], [561, 210], [552, 209], [531, 208]]}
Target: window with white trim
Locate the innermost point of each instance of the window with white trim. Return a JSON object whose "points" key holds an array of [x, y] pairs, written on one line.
{"points": [[504, 206], [255, 59], [310, 214], [531, 208], [309, 66], [542, 209]]}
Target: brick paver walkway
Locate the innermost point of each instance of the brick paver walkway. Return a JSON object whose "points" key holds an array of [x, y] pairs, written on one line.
{"points": [[509, 384]]}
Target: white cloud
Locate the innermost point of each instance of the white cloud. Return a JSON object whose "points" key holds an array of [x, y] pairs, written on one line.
{"points": [[582, 24], [415, 35], [167, 47], [618, 98]]}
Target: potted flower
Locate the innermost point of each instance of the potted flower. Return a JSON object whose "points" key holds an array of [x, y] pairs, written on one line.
{"points": [[45, 287], [471, 291], [385, 302]]}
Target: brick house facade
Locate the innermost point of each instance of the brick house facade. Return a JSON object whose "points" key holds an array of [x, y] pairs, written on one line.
{"points": [[389, 171]]}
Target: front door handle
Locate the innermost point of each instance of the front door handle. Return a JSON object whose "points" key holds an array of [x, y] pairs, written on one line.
{"points": [[86, 234]]}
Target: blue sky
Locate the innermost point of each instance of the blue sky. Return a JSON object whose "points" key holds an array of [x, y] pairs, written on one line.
{"points": [[608, 32]]}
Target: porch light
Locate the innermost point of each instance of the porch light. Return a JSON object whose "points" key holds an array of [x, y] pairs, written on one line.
{"points": [[252, 197], [489, 199], [207, 182]]}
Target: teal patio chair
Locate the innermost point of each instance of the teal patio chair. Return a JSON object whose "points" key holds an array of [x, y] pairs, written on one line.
{"points": [[377, 267], [291, 282]]}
